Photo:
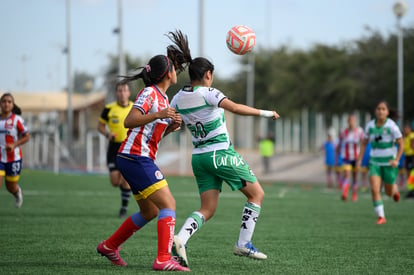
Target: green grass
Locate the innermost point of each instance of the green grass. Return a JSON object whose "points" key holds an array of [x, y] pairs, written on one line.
{"points": [[302, 229]]}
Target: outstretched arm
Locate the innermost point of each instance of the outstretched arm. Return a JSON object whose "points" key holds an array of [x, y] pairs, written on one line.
{"points": [[245, 110]]}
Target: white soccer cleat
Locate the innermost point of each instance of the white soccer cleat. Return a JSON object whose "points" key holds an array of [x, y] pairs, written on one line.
{"points": [[249, 251], [179, 250], [19, 198]]}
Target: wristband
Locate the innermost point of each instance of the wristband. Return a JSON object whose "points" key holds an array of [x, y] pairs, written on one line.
{"points": [[266, 113]]}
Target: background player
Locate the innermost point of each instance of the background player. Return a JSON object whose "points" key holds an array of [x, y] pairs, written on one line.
{"points": [[409, 158], [348, 146], [13, 133], [329, 151], [111, 125], [383, 134]]}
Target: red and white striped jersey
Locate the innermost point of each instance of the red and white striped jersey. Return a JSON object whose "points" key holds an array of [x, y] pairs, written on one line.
{"points": [[10, 130], [144, 140], [350, 141]]}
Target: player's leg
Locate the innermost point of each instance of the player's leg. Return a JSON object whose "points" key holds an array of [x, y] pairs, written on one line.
{"points": [[125, 195], [12, 171], [209, 186], [164, 200], [364, 178], [194, 222], [2, 173], [110, 247], [209, 201], [375, 180], [339, 176], [117, 179], [390, 185], [237, 174], [346, 179], [329, 177], [354, 182], [16, 191], [250, 214]]}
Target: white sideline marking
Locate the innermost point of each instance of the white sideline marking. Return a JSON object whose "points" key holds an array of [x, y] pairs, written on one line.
{"points": [[111, 193]]}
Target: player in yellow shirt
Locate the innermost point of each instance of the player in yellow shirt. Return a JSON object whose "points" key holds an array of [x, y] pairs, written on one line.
{"points": [[409, 158], [111, 124]]}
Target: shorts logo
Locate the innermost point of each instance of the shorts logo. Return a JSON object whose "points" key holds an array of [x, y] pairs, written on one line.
{"points": [[159, 175]]}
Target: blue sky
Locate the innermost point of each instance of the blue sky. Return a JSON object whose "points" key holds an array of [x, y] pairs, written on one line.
{"points": [[33, 32]]}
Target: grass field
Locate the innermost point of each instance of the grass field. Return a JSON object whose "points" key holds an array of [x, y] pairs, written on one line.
{"points": [[302, 229]]}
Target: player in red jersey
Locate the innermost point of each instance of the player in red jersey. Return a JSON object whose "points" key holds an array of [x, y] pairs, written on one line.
{"points": [[13, 133], [349, 142], [149, 120]]}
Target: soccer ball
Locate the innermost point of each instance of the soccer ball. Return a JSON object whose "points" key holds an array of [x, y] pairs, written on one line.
{"points": [[240, 39]]}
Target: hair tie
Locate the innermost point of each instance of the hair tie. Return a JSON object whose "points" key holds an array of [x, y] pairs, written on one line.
{"points": [[148, 68]]}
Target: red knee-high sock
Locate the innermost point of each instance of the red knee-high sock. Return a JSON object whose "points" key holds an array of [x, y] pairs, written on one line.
{"points": [[125, 231], [165, 229]]}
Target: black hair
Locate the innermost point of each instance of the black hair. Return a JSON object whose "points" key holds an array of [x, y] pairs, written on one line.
{"points": [[120, 83], [179, 52], [16, 109], [392, 113], [152, 73]]}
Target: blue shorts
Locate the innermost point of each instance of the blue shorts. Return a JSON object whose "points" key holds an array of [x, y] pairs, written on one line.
{"points": [[11, 170], [142, 175]]}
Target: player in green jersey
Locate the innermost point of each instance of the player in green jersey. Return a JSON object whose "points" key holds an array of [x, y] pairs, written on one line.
{"points": [[383, 134], [214, 159]]}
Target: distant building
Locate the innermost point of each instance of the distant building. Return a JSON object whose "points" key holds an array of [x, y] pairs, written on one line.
{"points": [[41, 108]]}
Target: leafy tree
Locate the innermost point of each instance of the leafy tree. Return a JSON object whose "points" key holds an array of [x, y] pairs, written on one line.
{"points": [[83, 82]]}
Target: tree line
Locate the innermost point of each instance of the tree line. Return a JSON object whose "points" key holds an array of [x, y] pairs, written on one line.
{"points": [[329, 79]]}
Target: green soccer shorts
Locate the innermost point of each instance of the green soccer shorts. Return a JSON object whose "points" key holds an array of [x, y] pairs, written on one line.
{"points": [[212, 168], [387, 173]]}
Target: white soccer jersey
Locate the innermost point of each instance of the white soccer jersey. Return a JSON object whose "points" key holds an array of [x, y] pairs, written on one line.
{"points": [[198, 107], [382, 139], [10, 129], [350, 141]]}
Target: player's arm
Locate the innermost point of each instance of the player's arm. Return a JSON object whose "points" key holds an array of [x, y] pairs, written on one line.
{"points": [[400, 143], [175, 125], [136, 117], [23, 138], [361, 152], [412, 142], [245, 110], [102, 124]]}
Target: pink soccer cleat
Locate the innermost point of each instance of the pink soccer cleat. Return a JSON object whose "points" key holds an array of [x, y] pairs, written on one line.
{"points": [[170, 265], [111, 254]]}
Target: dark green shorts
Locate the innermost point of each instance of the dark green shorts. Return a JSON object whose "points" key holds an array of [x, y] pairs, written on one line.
{"points": [[212, 168]]}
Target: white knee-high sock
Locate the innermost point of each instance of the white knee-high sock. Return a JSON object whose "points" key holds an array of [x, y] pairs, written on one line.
{"points": [[250, 215], [190, 226], [379, 208]]}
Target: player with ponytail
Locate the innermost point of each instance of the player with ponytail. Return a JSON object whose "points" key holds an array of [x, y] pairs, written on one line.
{"points": [[386, 149], [202, 110], [13, 134], [150, 119]]}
